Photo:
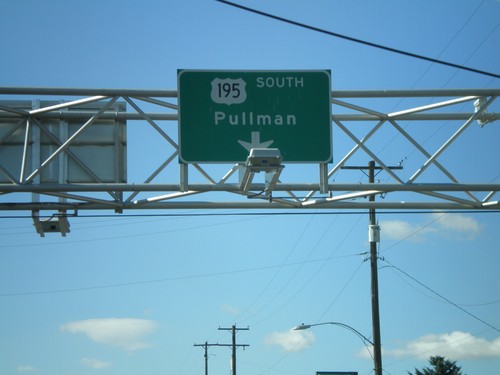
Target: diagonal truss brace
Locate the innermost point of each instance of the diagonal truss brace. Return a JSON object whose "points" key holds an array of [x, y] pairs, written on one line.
{"points": [[176, 190]]}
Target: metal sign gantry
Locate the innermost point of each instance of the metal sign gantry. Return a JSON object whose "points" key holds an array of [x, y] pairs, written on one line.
{"points": [[32, 176]]}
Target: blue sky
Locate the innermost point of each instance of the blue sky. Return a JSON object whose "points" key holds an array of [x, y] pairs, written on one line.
{"points": [[124, 295]]}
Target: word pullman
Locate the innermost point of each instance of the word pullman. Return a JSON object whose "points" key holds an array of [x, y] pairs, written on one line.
{"points": [[250, 118]]}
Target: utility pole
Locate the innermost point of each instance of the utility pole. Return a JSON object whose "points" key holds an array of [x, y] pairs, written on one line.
{"points": [[233, 330], [374, 238], [205, 346]]}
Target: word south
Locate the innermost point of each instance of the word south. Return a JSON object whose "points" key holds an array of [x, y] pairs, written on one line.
{"points": [[251, 119]]}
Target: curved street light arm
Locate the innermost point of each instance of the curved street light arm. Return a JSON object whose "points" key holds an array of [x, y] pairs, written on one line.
{"points": [[353, 330]]}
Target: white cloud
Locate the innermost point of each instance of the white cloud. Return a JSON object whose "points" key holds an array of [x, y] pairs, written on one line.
{"points": [[290, 341], [25, 368], [402, 230], [456, 345], [125, 333], [94, 363], [232, 310], [457, 225]]}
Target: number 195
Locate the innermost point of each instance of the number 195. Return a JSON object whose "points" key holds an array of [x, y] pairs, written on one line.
{"points": [[226, 90]]}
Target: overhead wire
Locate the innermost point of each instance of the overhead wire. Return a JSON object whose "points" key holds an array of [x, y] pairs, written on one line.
{"points": [[122, 236], [340, 292], [209, 214], [268, 213], [299, 268], [471, 16], [166, 279], [414, 233], [356, 40], [442, 297], [418, 230], [466, 61], [314, 275], [282, 358], [488, 303], [271, 280], [473, 53], [347, 234]]}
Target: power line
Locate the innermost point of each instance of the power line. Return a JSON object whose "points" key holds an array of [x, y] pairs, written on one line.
{"points": [[431, 65], [474, 52], [442, 297], [280, 213], [168, 279], [322, 265], [451, 41], [360, 41], [418, 230], [266, 287]]}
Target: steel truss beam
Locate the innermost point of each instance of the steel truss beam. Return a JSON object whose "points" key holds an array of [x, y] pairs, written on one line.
{"points": [[171, 185]]}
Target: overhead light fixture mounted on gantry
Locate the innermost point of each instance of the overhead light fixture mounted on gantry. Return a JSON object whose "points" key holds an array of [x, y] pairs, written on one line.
{"points": [[267, 160]]}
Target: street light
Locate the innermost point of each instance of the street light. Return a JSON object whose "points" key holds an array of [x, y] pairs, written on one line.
{"points": [[353, 330], [359, 334]]}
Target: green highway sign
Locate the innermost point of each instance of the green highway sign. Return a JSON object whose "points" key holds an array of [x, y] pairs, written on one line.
{"points": [[224, 114]]}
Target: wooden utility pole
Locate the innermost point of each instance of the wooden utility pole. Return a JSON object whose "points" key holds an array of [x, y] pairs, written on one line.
{"points": [[233, 330], [374, 238], [205, 346]]}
